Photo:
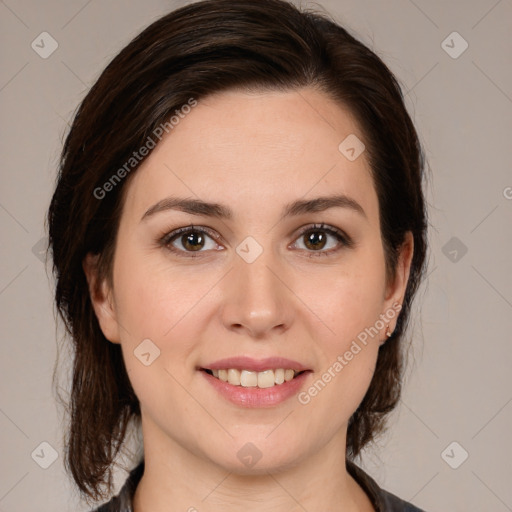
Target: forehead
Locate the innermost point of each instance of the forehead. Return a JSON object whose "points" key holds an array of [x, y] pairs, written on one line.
{"points": [[254, 150]]}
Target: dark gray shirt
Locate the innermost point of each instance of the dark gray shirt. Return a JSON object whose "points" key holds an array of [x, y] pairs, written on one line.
{"points": [[381, 500]]}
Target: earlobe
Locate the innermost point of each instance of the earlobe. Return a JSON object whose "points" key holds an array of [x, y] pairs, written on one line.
{"points": [[101, 299]]}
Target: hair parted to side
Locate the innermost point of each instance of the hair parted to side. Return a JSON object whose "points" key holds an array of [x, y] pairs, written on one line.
{"points": [[197, 50]]}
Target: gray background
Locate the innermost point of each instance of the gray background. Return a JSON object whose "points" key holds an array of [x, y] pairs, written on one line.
{"points": [[458, 385]]}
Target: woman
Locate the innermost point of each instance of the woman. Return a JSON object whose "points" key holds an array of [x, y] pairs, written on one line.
{"points": [[238, 231]]}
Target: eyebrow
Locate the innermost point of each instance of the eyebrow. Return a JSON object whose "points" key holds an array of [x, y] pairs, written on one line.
{"points": [[299, 207]]}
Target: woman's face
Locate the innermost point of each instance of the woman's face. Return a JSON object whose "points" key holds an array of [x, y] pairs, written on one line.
{"points": [[252, 284]]}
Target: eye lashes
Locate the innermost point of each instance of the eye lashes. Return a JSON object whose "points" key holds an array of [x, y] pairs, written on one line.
{"points": [[339, 235]]}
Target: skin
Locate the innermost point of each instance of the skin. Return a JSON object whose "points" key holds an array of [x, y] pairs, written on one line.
{"points": [[254, 153]]}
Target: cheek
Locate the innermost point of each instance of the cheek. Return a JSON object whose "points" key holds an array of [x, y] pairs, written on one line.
{"points": [[153, 305], [150, 299], [349, 298]]}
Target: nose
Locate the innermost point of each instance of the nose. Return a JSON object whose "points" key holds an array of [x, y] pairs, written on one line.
{"points": [[257, 300]]}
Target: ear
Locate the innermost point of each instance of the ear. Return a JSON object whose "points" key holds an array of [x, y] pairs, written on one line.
{"points": [[395, 291], [101, 298]]}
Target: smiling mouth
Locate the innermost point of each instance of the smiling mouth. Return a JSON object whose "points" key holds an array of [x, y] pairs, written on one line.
{"points": [[250, 379]]}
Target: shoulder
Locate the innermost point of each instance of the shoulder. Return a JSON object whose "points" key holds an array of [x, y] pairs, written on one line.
{"points": [[113, 505], [382, 500], [122, 502], [394, 503]]}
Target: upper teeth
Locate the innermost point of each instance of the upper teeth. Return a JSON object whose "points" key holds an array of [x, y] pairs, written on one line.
{"points": [[246, 378]]}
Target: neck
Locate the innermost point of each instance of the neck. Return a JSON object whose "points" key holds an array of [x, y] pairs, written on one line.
{"points": [[175, 479]]}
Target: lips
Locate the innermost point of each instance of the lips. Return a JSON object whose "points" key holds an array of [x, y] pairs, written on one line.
{"points": [[256, 396], [255, 365], [245, 373]]}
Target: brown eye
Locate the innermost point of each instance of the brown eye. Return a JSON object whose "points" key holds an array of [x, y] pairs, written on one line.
{"points": [[193, 241], [315, 240], [188, 240]]}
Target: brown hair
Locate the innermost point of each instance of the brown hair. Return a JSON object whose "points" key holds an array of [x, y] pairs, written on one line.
{"points": [[195, 51]]}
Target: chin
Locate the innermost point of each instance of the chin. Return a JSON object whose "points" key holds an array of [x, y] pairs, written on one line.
{"points": [[258, 456]]}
